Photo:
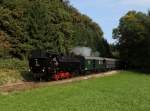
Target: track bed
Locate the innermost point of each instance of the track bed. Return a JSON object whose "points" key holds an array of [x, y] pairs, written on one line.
{"points": [[22, 86]]}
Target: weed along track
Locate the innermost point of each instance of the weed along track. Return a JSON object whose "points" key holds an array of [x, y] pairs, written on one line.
{"points": [[22, 86]]}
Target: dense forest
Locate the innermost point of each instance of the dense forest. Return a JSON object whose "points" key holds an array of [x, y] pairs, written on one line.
{"points": [[46, 24], [58, 26], [133, 37]]}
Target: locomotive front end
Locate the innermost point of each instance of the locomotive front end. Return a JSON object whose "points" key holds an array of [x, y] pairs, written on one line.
{"points": [[41, 64]]}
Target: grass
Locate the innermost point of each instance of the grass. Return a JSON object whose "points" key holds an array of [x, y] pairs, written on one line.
{"points": [[13, 64], [127, 91], [11, 70], [9, 76]]}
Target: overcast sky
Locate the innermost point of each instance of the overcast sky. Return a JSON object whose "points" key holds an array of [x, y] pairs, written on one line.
{"points": [[108, 12]]}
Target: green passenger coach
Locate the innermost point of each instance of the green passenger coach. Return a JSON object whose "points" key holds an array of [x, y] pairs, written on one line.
{"points": [[94, 64]]}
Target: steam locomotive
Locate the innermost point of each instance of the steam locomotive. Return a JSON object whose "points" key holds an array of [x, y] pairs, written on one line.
{"points": [[50, 65]]}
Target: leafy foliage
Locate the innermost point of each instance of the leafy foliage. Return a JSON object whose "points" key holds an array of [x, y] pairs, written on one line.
{"points": [[4, 44], [133, 39], [47, 24]]}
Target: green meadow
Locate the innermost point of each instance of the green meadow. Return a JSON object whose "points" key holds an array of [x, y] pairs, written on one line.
{"points": [[125, 91]]}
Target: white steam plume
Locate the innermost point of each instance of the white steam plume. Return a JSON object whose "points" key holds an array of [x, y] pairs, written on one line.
{"points": [[83, 51]]}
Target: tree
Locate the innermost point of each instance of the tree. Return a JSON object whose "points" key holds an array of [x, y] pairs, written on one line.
{"points": [[38, 25], [47, 24], [104, 48], [133, 39], [4, 44]]}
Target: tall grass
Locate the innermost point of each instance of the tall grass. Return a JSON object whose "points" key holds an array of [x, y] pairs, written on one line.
{"points": [[14, 64], [11, 70]]}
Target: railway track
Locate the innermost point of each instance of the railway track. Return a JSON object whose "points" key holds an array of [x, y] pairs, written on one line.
{"points": [[22, 86]]}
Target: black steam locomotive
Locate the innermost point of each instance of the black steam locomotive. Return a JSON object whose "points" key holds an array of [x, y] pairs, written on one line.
{"points": [[47, 64]]}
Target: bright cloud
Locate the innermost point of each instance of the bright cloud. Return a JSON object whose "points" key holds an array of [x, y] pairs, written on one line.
{"points": [[135, 2]]}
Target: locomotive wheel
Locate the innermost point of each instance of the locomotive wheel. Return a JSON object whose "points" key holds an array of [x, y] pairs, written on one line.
{"points": [[69, 75], [35, 78], [55, 77], [62, 75], [46, 78]]}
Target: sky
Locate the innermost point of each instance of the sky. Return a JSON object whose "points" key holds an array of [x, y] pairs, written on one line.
{"points": [[108, 12]]}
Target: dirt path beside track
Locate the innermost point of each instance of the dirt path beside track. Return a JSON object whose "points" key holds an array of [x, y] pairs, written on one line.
{"points": [[22, 86]]}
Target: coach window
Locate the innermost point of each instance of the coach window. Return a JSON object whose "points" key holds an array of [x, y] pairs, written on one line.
{"points": [[104, 61]]}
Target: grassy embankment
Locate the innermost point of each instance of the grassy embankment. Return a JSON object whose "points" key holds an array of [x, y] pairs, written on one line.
{"points": [[127, 91], [12, 70]]}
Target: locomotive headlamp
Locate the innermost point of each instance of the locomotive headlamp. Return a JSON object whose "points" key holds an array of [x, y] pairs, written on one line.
{"points": [[30, 69], [43, 70]]}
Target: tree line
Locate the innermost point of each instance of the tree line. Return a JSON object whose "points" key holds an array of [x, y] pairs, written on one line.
{"points": [[46, 24], [58, 26], [133, 39]]}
